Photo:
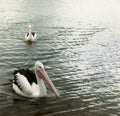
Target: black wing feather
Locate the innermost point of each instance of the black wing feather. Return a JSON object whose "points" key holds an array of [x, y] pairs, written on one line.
{"points": [[27, 73], [33, 33]]}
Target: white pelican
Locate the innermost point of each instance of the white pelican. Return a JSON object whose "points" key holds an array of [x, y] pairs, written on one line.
{"points": [[30, 36], [29, 84]]}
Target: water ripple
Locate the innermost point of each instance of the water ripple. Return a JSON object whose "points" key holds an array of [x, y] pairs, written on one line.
{"points": [[81, 58]]}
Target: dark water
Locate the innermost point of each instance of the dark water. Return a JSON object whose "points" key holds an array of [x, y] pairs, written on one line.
{"points": [[79, 45]]}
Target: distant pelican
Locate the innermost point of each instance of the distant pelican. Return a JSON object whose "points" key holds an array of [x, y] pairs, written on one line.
{"points": [[29, 84], [30, 36]]}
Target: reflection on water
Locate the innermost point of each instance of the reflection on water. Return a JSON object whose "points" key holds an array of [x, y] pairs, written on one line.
{"points": [[79, 48]]}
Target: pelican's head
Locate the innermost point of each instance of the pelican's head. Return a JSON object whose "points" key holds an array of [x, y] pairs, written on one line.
{"points": [[38, 65], [41, 73], [29, 26]]}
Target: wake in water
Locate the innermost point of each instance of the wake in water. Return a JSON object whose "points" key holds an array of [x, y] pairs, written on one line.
{"points": [[6, 89]]}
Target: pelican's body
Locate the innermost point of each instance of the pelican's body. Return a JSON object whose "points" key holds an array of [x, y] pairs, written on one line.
{"points": [[29, 84], [30, 36]]}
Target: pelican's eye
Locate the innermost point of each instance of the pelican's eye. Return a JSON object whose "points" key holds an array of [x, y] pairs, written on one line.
{"points": [[40, 67]]}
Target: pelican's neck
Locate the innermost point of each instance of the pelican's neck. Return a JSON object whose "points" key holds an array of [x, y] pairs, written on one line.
{"points": [[30, 30], [42, 87]]}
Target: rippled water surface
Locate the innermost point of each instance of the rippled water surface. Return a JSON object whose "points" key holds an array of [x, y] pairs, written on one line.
{"points": [[79, 44]]}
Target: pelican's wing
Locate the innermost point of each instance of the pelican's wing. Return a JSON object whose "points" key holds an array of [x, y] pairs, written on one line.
{"points": [[22, 84], [28, 74]]}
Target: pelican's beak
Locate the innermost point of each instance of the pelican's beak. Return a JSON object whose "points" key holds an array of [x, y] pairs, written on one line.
{"points": [[42, 74]]}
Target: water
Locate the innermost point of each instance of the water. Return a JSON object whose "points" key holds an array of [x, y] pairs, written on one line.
{"points": [[79, 44]]}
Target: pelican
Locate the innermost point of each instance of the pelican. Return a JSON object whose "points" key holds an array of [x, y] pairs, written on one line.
{"points": [[30, 36], [31, 84]]}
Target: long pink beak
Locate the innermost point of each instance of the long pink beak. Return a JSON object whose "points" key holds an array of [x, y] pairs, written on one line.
{"points": [[42, 73]]}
